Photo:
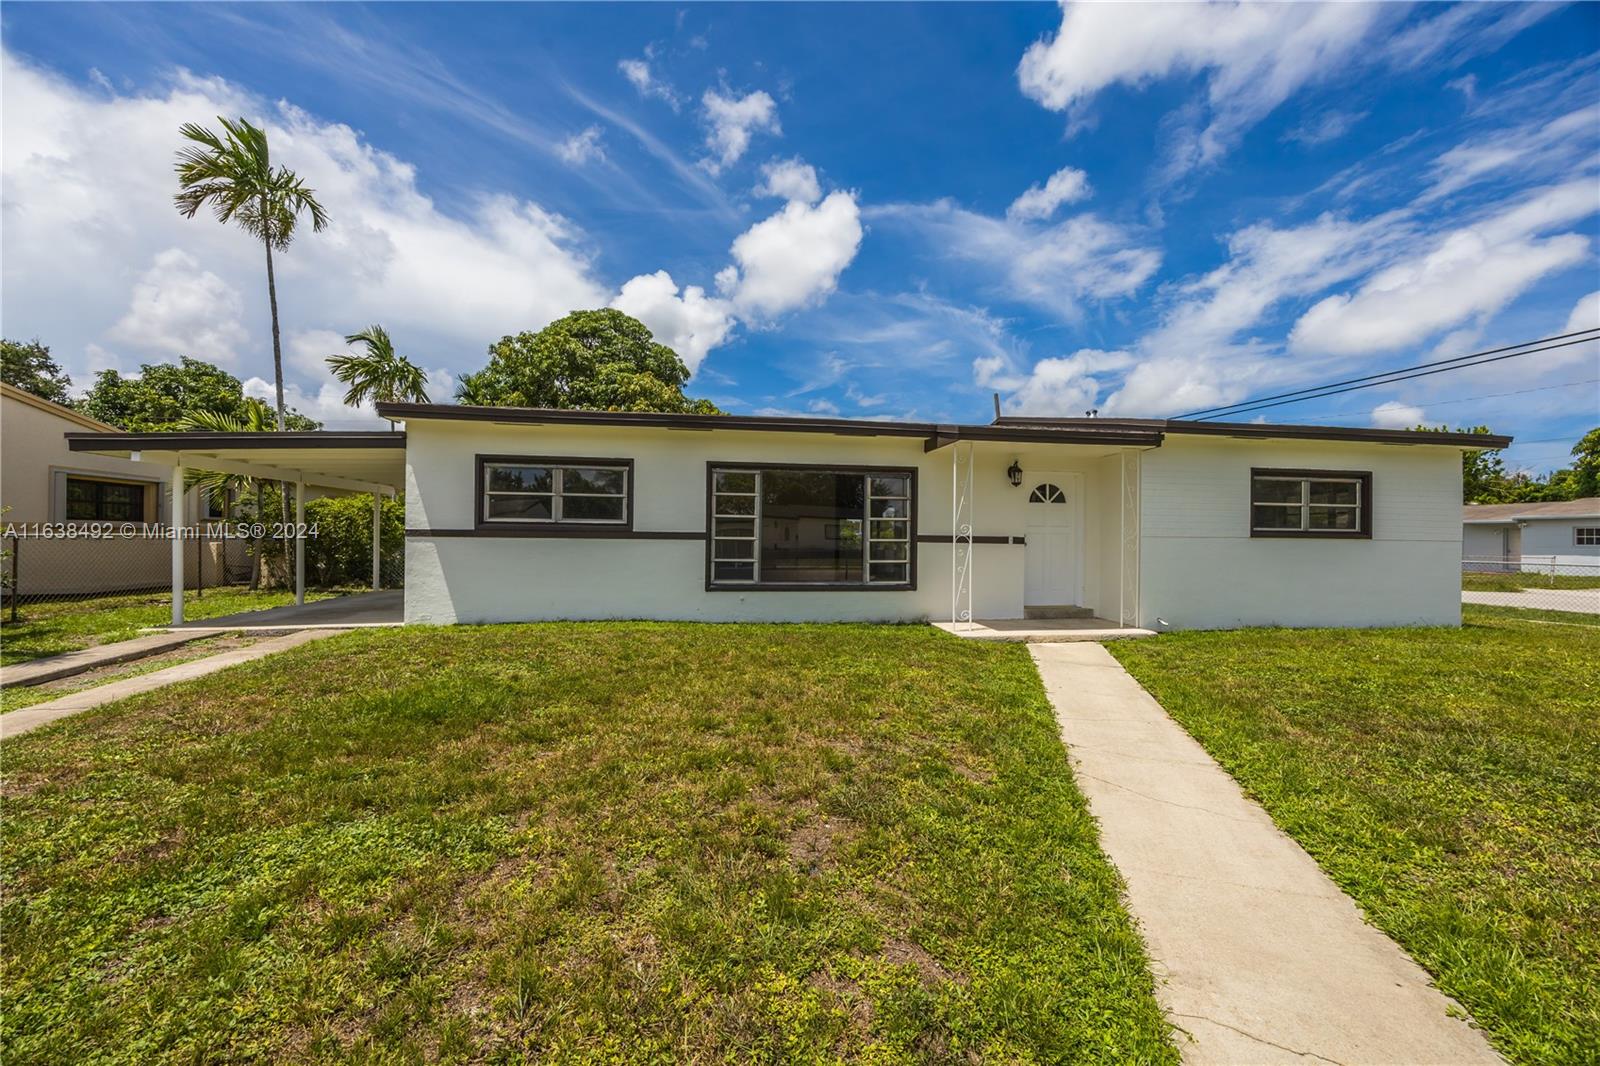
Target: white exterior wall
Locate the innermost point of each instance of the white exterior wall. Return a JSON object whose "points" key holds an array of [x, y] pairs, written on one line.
{"points": [[492, 579], [1203, 570], [1543, 538]]}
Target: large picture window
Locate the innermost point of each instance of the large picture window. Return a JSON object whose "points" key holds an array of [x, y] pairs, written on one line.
{"points": [[539, 492], [1310, 503], [801, 527], [89, 500]]}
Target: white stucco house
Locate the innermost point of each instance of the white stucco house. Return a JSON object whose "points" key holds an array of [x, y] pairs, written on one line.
{"points": [[1562, 533], [517, 514]]}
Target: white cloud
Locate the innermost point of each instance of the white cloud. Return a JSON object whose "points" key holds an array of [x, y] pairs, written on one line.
{"points": [[1562, 144], [1064, 386], [793, 258], [581, 147], [1056, 267], [86, 185], [691, 324], [790, 179], [733, 120], [1396, 415], [642, 78], [1066, 186], [1253, 56], [1328, 126], [1471, 272], [1585, 314], [179, 309]]}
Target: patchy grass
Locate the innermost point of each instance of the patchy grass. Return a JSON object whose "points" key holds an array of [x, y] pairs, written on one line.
{"points": [[621, 842], [57, 626], [1483, 612], [1476, 582], [1448, 779]]}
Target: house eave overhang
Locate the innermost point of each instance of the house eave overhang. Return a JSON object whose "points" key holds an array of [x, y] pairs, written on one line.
{"points": [[1281, 431], [350, 461]]}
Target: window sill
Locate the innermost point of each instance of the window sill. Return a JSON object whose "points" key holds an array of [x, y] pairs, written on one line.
{"points": [[811, 586]]}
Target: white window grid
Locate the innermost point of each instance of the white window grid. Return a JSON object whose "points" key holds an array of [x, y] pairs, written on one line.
{"points": [[556, 494], [1586, 536], [1305, 504], [895, 571]]}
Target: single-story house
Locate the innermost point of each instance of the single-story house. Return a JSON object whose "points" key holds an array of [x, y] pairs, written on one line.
{"points": [[517, 514], [1534, 536]]}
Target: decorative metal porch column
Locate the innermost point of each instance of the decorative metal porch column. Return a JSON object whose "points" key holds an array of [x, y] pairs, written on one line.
{"points": [[963, 504], [1128, 597]]}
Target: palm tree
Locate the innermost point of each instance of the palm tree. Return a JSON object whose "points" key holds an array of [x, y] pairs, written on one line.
{"points": [[379, 373], [234, 174], [255, 418]]}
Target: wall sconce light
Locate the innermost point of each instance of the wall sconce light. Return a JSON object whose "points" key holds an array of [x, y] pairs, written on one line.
{"points": [[1014, 472]]}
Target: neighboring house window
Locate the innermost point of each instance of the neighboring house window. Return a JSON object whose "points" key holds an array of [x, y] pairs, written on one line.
{"points": [[104, 501], [1586, 536], [554, 492], [804, 527], [216, 502], [1310, 503]]}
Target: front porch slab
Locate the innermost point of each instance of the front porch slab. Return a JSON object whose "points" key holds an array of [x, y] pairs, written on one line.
{"points": [[1043, 630]]}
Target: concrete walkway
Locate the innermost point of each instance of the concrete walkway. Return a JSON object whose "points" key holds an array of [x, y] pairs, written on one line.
{"points": [[55, 667], [1259, 957], [352, 611], [1576, 601], [30, 718]]}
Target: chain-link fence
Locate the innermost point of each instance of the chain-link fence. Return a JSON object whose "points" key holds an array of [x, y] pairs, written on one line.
{"points": [[1542, 583], [104, 568]]}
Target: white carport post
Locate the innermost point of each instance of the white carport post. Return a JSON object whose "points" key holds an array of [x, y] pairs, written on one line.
{"points": [[299, 542], [377, 532], [175, 526]]}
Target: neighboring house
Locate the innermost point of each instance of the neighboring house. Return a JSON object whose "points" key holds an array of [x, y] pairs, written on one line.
{"points": [[43, 482], [1531, 535], [515, 514]]}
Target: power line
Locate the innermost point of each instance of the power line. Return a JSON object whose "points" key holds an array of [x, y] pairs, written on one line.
{"points": [[1497, 395], [1389, 377]]}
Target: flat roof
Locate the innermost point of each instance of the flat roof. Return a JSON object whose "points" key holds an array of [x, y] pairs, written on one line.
{"points": [[1145, 432], [1587, 507], [359, 461]]}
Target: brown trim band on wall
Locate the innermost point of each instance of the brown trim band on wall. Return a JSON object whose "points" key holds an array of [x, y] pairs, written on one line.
{"points": [[1365, 510], [555, 532], [945, 538]]}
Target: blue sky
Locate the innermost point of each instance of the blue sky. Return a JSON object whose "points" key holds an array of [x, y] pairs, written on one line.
{"points": [[870, 211]]}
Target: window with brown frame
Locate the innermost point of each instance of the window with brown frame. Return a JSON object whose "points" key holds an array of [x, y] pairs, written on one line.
{"points": [[90, 500], [1311, 503], [554, 493]]}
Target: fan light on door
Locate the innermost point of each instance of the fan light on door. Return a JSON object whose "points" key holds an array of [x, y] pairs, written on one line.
{"points": [[1014, 472]]}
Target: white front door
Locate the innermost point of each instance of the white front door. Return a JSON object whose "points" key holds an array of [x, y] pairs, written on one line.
{"points": [[1054, 542]]}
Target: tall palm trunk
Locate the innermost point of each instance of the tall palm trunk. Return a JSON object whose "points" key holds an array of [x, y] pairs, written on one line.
{"points": [[255, 563], [277, 369]]}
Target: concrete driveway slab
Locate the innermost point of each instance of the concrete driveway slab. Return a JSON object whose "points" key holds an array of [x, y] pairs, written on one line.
{"points": [[1259, 956]]}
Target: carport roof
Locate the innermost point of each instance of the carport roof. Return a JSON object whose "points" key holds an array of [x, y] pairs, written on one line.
{"points": [[357, 461]]}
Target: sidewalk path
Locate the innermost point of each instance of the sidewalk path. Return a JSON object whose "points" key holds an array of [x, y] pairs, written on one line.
{"points": [[1577, 601], [55, 667], [1259, 957], [29, 718]]}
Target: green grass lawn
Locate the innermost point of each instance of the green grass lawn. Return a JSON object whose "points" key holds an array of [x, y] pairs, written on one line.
{"points": [[57, 626], [620, 842], [1448, 779], [1476, 582], [1483, 612]]}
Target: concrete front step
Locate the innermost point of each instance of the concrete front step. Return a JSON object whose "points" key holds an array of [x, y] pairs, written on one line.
{"points": [[1058, 610]]}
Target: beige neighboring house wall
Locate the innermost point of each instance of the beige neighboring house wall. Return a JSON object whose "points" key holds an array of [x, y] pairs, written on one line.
{"points": [[34, 467], [35, 462]]}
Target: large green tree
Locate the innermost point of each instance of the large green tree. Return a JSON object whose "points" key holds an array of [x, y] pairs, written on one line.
{"points": [[591, 360], [378, 372], [1484, 478], [164, 396], [233, 175], [30, 368]]}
